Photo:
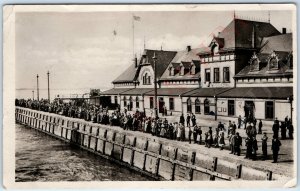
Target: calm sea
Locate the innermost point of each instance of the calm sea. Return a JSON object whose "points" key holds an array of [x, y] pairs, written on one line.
{"points": [[40, 157]]}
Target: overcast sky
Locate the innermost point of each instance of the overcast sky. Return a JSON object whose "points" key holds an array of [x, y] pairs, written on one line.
{"points": [[89, 50]]}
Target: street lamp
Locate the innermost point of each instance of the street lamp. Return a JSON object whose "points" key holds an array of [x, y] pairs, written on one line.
{"points": [[155, 87], [37, 82], [216, 110], [32, 94], [48, 73], [290, 99]]}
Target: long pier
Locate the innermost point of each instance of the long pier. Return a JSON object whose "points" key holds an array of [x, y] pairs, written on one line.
{"points": [[153, 157]]}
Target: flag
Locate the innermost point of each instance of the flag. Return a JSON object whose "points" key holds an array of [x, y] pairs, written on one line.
{"points": [[136, 18]]}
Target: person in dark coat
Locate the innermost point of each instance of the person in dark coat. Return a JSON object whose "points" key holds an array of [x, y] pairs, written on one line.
{"points": [[275, 148], [237, 141], [188, 120], [248, 144], [181, 120], [260, 127], [291, 130], [254, 148], [275, 128], [220, 126], [239, 122], [193, 120], [283, 130], [264, 145]]}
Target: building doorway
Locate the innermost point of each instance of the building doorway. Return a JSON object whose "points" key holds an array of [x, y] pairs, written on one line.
{"points": [[249, 110], [161, 104]]}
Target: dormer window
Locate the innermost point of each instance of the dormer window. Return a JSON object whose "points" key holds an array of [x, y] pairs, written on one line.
{"points": [[273, 61], [181, 70], [254, 63], [171, 71], [192, 69], [215, 48], [146, 79]]}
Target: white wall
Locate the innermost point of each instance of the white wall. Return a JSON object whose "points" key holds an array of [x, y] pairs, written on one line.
{"points": [[220, 65]]}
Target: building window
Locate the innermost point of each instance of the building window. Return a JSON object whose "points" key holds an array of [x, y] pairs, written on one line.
{"points": [[216, 75], [207, 75], [137, 102], [125, 103], [273, 61], [147, 79], [130, 105], [181, 70], [230, 107], [171, 103], [189, 105], [226, 74], [151, 103], [206, 106], [197, 106], [116, 99], [193, 69], [269, 110]]}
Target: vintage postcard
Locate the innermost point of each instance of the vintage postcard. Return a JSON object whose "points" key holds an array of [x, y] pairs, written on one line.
{"points": [[189, 96]]}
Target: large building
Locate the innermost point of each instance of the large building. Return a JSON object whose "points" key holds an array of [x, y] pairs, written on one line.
{"points": [[246, 70]]}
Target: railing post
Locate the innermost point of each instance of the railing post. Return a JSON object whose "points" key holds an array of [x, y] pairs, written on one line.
{"points": [[145, 155], [158, 160], [193, 158], [122, 148], [104, 141], [214, 167], [238, 171], [132, 152], [174, 165]]}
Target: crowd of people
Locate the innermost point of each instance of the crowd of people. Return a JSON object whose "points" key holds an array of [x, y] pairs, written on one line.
{"points": [[161, 127]]}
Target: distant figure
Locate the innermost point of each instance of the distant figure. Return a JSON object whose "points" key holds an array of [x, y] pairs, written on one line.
{"points": [[275, 148], [254, 148], [237, 141], [264, 145], [239, 122], [275, 128], [221, 140], [283, 130], [291, 130], [248, 144], [220, 126], [181, 120], [260, 127], [193, 119], [188, 119]]}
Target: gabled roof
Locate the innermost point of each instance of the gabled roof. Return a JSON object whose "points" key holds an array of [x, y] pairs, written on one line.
{"points": [[127, 76], [162, 62], [185, 58], [282, 43], [132, 72], [239, 34]]}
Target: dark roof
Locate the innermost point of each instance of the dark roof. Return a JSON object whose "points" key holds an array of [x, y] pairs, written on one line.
{"points": [[259, 92], [282, 43], [238, 34], [127, 76], [137, 91], [163, 60], [205, 92], [170, 91], [115, 91], [185, 58]]}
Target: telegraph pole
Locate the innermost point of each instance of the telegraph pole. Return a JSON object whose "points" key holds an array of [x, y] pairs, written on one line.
{"points": [[48, 73], [155, 86], [37, 82]]}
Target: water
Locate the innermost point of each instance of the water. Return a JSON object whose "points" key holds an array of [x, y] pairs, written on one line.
{"points": [[40, 157]]}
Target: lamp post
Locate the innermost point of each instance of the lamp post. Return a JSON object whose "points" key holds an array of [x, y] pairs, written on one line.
{"points": [[155, 86], [37, 82], [216, 110], [48, 73], [32, 94], [290, 99]]}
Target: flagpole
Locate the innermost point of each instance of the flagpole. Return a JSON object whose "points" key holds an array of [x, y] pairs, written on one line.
{"points": [[132, 36]]}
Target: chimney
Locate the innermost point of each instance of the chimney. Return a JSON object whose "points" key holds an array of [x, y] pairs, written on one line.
{"points": [[135, 62], [283, 30], [188, 48], [219, 34]]}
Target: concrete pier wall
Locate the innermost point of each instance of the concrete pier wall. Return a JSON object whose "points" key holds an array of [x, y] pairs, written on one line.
{"points": [[153, 157]]}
